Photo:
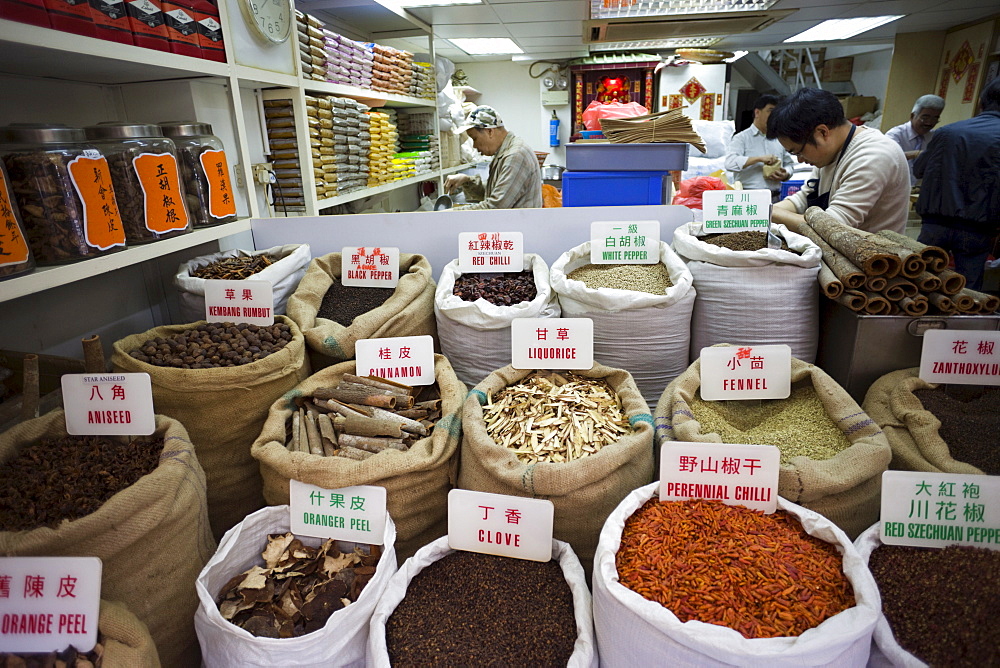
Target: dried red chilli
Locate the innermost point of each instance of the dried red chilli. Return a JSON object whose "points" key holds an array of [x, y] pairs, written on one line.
{"points": [[761, 575]]}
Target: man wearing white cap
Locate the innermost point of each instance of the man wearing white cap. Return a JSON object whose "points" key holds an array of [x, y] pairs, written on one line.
{"points": [[515, 179]]}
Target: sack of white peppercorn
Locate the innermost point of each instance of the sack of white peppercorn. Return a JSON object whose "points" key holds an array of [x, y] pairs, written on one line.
{"points": [[334, 317], [416, 480], [341, 639], [287, 267], [759, 297], [152, 537], [473, 319], [641, 313], [832, 454], [598, 457], [222, 407]]}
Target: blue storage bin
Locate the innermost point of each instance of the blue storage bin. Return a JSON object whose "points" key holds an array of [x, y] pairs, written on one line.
{"points": [[789, 188], [614, 188]]}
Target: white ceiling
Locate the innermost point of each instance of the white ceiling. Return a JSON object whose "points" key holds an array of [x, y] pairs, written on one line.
{"points": [[553, 29]]}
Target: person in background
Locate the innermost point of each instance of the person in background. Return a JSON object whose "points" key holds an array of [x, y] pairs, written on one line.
{"points": [[913, 135], [860, 176], [749, 151], [959, 198], [515, 179]]}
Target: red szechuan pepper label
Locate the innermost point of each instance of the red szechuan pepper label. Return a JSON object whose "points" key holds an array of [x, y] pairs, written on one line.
{"points": [[164, 206], [102, 223], [221, 202], [13, 247]]}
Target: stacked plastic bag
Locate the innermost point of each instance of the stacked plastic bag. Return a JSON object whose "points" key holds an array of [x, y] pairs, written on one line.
{"points": [[312, 46]]}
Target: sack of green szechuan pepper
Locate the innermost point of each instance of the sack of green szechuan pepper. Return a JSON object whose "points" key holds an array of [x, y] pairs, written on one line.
{"points": [[833, 454], [333, 317]]}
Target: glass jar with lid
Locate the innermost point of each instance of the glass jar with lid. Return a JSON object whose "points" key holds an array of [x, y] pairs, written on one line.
{"points": [[63, 190], [146, 178], [205, 172], [15, 254]]}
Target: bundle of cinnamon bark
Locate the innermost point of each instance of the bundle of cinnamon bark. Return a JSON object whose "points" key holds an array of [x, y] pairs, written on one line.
{"points": [[361, 417], [887, 273]]}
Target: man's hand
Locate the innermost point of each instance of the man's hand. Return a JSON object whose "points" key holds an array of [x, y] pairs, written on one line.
{"points": [[768, 159], [780, 175], [455, 181]]}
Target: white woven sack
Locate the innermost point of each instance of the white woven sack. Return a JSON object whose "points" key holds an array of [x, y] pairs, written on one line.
{"points": [[284, 276], [633, 631], [885, 650], [340, 643], [475, 336], [584, 650], [647, 335], [753, 297]]}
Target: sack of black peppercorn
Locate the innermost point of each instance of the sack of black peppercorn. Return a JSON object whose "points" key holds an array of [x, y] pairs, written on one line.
{"points": [[473, 320]]}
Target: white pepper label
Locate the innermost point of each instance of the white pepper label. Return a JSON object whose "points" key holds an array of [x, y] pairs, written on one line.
{"points": [[625, 242], [490, 251], [251, 302], [960, 356], [349, 513], [405, 359], [507, 526], [746, 372], [369, 266], [106, 404], [736, 210], [737, 475], [552, 343]]}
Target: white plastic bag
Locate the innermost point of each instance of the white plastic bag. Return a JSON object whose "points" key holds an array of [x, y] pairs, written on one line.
{"points": [[633, 631], [584, 650], [475, 336], [340, 643]]}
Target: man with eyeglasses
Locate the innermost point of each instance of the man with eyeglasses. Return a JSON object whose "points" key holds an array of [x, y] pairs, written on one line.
{"points": [[860, 178], [913, 135]]}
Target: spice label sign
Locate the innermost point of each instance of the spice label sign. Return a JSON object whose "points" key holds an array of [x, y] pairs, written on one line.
{"points": [[507, 526], [221, 203], [940, 509], [960, 356], [107, 404], [49, 603], [409, 359], [369, 267], [490, 251], [737, 475], [251, 302], [160, 182], [13, 245], [624, 242], [746, 372], [552, 343], [736, 210], [349, 513], [102, 221]]}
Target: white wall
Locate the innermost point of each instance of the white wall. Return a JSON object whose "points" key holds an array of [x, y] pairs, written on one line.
{"points": [[712, 77], [871, 68], [506, 86]]}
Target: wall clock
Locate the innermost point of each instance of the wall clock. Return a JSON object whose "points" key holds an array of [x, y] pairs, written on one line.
{"points": [[269, 20]]}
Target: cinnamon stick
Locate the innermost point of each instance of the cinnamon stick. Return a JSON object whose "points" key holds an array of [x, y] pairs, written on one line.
{"points": [[371, 443], [852, 299], [355, 453], [942, 303], [828, 281], [875, 283], [987, 303], [898, 287], [915, 307], [874, 261], [928, 282], [952, 282], [29, 387], [846, 271], [312, 434], [936, 258], [357, 395], [360, 425], [964, 303], [877, 304], [93, 355]]}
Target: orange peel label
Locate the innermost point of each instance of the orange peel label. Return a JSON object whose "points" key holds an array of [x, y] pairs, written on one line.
{"points": [[102, 222], [160, 181], [221, 202], [13, 246]]}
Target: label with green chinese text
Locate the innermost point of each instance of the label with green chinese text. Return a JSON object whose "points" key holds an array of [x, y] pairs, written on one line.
{"points": [[625, 242], [350, 513], [726, 211]]}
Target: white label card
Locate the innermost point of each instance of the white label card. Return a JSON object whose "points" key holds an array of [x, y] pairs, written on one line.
{"points": [[940, 509], [746, 372], [966, 356], [736, 210], [405, 359], [625, 242], [49, 603], [251, 302], [552, 343], [349, 513], [490, 251], [508, 526], [737, 475], [108, 404], [369, 266]]}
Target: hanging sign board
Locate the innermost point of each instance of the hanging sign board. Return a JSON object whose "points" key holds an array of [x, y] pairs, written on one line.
{"points": [[490, 252], [623, 242], [737, 475], [966, 356], [369, 266], [350, 513], [405, 359], [107, 404], [251, 302], [507, 526], [552, 343], [746, 372], [736, 210]]}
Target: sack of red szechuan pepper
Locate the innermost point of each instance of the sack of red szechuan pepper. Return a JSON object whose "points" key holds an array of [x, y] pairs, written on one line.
{"points": [[837, 605]]}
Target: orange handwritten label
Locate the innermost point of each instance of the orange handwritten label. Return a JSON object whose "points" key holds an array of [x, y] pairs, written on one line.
{"points": [[221, 202], [102, 223], [164, 206], [13, 247]]}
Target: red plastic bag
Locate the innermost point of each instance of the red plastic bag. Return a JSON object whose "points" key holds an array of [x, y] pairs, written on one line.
{"points": [[594, 112], [689, 194]]}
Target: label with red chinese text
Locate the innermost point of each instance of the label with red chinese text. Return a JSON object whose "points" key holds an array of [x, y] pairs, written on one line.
{"points": [[625, 242], [221, 203], [940, 509], [160, 182], [349, 513], [13, 245], [102, 222], [251, 302], [736, 210], [369, 266], [507, 526], [746, 372], [106, 404], [966, 356], [405, 359], [737, 475], [490, 251], [49, 603], [552, 343]]}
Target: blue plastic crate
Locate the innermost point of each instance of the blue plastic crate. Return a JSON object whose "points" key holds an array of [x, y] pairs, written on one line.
{"points": [[789, 188], [614, 188]]}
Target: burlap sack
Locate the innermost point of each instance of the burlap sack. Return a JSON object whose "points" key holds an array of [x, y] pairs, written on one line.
{"points": [[584, 491], [845, 488], [416, 481], [127, 643], [223, 410], [409, 311], [912, 431], [153, 538]]}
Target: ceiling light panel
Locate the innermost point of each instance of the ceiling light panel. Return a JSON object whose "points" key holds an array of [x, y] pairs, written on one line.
{"points": [[694, 42], [436, 3], [486, 46], [842, 28], [609, 9]]}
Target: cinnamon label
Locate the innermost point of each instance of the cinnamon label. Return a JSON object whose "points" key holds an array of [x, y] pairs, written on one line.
{"points": [[164, 204], [221, 201], [13, 246], [102, 222]]}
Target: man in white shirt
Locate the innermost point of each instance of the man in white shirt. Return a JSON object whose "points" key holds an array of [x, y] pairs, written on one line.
{"points": [[749, 151], [913, 135]]}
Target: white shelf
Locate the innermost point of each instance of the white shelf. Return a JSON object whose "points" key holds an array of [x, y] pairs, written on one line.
{"points": [[372, 98], [368, 192], [458, 168], [266, 77], [45, 278]]}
